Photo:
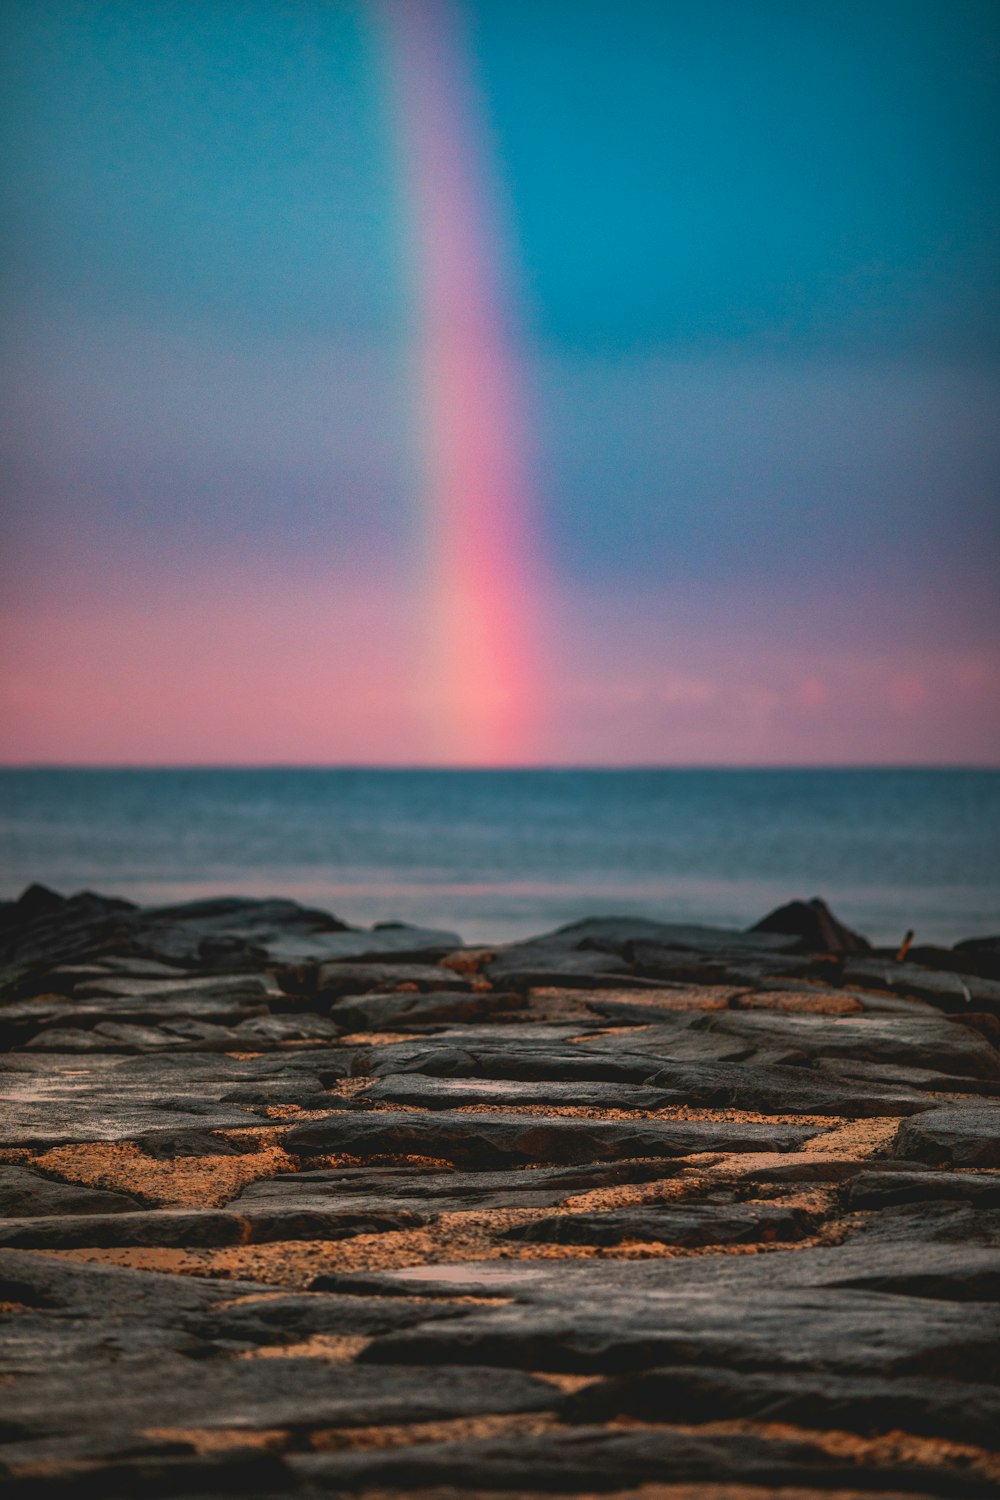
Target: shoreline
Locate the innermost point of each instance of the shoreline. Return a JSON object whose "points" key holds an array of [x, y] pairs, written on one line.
{"points": [[291, 1206]]}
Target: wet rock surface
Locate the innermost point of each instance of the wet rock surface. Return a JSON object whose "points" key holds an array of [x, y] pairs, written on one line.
{"points": [[296, 1209]]}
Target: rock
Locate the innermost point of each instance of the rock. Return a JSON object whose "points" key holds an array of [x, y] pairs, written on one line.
{"points": [[452, 1093], [401, 1011], [388, 940], [959, 1135], [330, 980], [686, 1224], [962, 1412], [882, 1189], [277, 1319], [25, 1194], [130, 1396], [781, 1090], [855, 1071], [541, 964], [923, 1042], [815, 925], [489, 1141], [836, 1328], [199, 1227], [431, 1191], [934, 1222], [955, 993], [982, 953], [589, 1459], [80, 1290], [70, 1098], [43, 933], [279, 1031], [801, 1281]]}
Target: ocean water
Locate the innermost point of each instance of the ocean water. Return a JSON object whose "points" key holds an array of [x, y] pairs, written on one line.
{"points": [[497, 855]]}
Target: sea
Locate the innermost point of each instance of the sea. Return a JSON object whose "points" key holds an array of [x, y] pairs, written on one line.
{"points": [[499, 855]]}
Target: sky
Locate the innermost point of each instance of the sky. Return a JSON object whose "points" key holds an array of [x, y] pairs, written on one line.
{"points": [[496, 382]]}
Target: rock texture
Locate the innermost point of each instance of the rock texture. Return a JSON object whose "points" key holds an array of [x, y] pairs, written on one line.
{"points": [[636, 1209]]}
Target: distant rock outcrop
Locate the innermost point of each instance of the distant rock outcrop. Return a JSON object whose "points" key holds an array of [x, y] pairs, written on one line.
{"points": [[815, 924]]}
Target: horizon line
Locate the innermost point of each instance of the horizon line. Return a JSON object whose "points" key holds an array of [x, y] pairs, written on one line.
{"points": [[541, 767]]}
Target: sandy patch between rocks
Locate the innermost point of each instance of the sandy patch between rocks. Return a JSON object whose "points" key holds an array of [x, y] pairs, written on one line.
{"points": [[177, 1182]]}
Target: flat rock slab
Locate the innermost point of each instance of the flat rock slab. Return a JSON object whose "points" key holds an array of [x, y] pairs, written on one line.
{"points": [[344, 977], [609, 1071], [395, 940], [949, 991], [489, 1140], [842, 1329], [962, 1412], [921, 1041], [272, 1321], [429, 1192], [56, 1099], [960, 1135], [689, 1225], [593, 1458], [278, 1392], [398, 1011], [882, 1189], [452, 1093], [25, 1194], [66, 1287], [204, 1227]]}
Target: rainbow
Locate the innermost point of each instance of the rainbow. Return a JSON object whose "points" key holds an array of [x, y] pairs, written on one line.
{"points": [[479, 684]]}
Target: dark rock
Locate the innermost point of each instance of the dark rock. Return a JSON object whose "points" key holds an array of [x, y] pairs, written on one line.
{"points": [[452, 1093], [951, 992], [278, 1031], [855, 1071], [103, 1463], [402, 1010], [962, 1412], [131, 1396], [126, 1037], [604, 951], [489, 1141], [397, 942], [24, 1194], [935, 1222], [965, 1134], [331, 980], [619, 934], [431, 1191], [781, 1090], [983, 953], [875, 1310], [510, 1057], [923, 1042], [200, 1227], [882, 1189], [592, 1458], [42, 935], [543, 965], [34, 902], [836, 1328], [815, 925], [71, 1098], [83, 1290], [288, 1319], [686, 1224]]}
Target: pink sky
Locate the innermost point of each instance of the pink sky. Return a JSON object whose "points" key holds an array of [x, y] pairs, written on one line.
{"points": [[253, 668]]}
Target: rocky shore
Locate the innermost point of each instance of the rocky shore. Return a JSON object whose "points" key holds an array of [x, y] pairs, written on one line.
{"points": [[633, 1209]]}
